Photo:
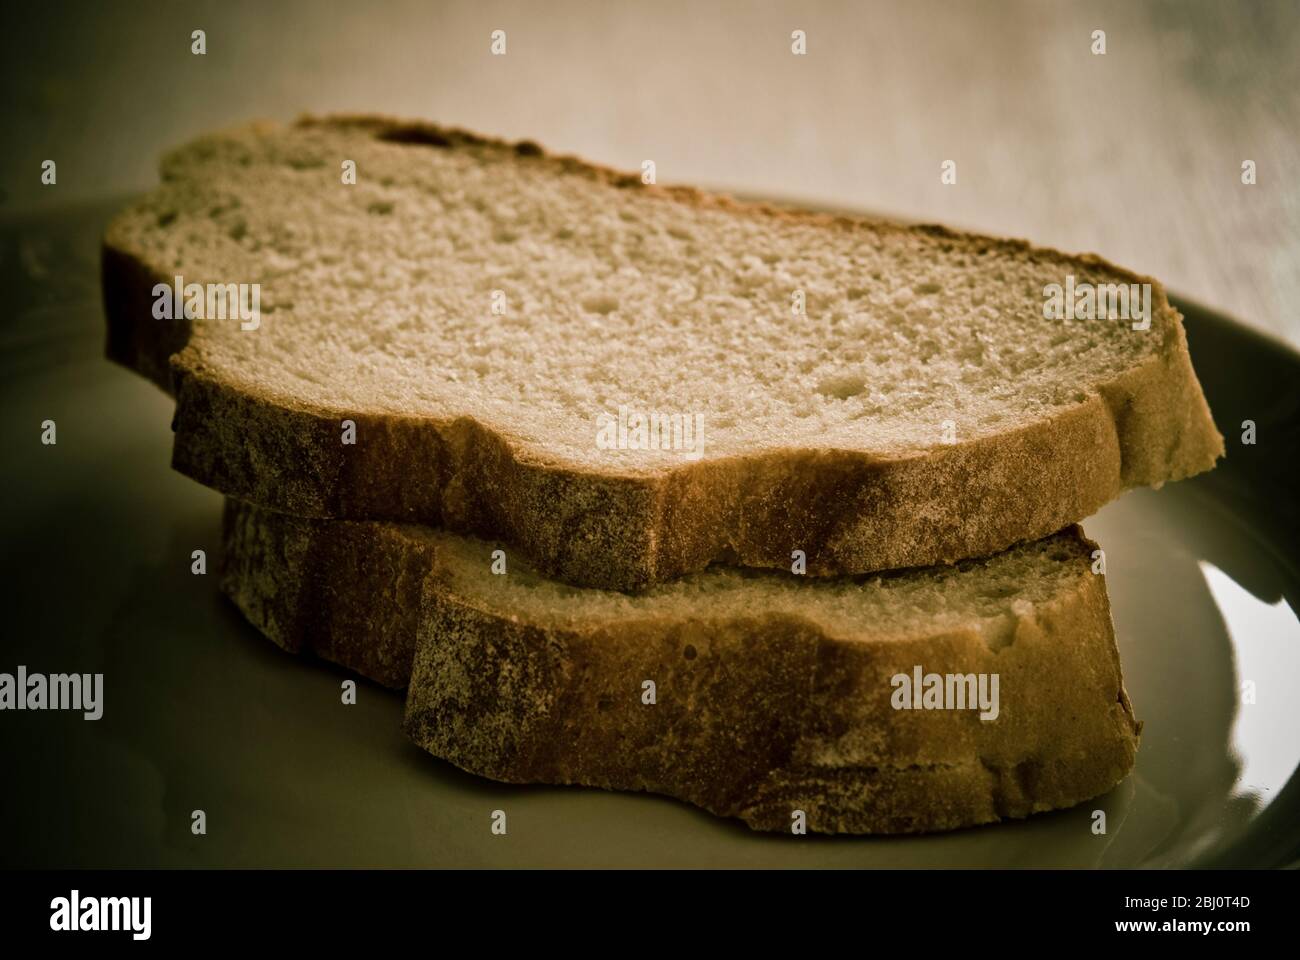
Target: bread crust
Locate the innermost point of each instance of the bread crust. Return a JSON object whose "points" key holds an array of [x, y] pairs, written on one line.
{"points": [[756, 716], [849, 511], [347, 592], [805, 726]]}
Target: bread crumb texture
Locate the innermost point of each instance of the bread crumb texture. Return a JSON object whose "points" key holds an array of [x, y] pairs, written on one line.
{"points": [[494, 320], [379, 296]]}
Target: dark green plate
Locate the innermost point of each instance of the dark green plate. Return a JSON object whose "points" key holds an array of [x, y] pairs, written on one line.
{"points": [[201, 713]]}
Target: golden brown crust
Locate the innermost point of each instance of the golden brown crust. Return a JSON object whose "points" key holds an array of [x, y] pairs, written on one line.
{"points": [[348, 592], [849, 511], [807, 725], [755, 716]]}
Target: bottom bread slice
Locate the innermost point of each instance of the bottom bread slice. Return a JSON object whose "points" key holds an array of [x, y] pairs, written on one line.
{"points": [[772, 698]]}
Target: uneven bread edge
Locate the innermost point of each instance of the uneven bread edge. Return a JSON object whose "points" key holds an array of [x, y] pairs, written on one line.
{"points": [[848, 511]]}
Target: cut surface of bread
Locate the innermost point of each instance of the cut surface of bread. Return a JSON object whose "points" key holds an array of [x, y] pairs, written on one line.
{"points": [[772, 693], [516, 338]]}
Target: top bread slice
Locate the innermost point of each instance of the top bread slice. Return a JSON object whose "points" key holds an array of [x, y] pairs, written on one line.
{"points": [[489, 325]]}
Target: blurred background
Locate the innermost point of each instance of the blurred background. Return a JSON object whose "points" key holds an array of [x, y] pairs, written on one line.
{"points": [[1135, 154]]}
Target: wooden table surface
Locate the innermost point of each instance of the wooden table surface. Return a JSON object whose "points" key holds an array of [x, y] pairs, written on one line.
{"points": [[1135, 155]]}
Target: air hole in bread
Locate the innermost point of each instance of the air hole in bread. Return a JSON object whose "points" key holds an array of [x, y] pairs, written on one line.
{"points": [[842, 386], [415, 135], [600, 303]]}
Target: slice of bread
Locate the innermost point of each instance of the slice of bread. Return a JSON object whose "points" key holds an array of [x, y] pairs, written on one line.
{"points": [[772, 693], [493, 321]]}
